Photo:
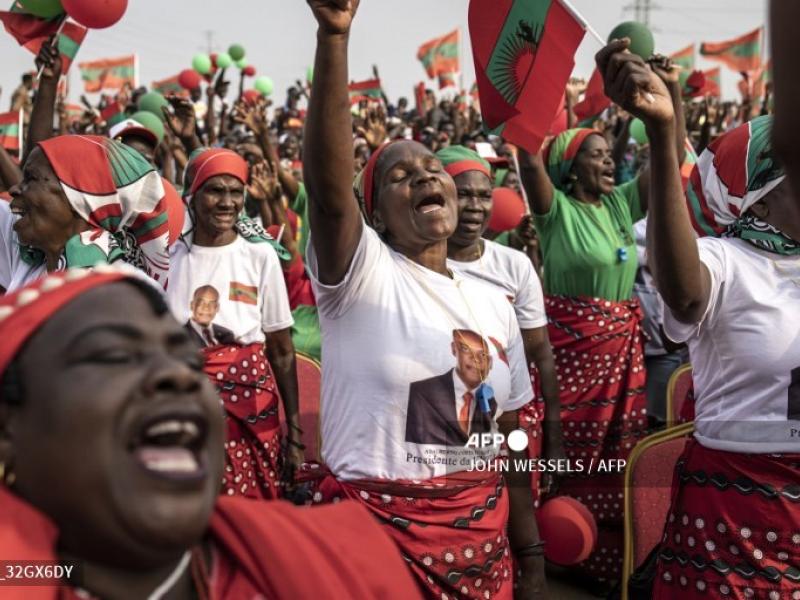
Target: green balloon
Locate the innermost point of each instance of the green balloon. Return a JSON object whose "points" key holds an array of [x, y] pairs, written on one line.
{"points": [[641, 37], [310, 74], [638, 132], [264, 85], [202, 64], [45, 9], [241, 63], [150, 122], [224, 60], [236, 51], [152, 102]]}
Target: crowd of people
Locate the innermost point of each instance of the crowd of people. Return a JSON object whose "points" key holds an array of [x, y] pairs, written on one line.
{"points": [[165, 271]]}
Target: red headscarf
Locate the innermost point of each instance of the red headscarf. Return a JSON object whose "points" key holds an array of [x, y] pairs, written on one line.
{"points": [[210, 162], [25, 310], [369, 176]]}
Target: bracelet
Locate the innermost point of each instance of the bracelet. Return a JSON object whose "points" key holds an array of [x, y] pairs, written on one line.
{"points": [[534, 549]]}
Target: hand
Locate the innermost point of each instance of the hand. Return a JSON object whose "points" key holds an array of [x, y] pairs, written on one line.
{"points": [[49, 60], [531, 583], [374, 130], [575, 87], [632, 85], [293, 462], [254, 117], [220, 88], [334, 16], [524, 235], [264, 185], [667, 70], [181, 121], [553, 450]]}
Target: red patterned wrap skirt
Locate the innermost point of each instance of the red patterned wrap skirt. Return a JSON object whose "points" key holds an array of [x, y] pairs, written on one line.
{"points": [[451, 530], [733, 529], [598, 350], [249, 393]]}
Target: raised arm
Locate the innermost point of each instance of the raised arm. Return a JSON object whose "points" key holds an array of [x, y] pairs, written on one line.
{"points": [[681, 278], [44, 105], [328, 145], [783, 18], [537, 184]]}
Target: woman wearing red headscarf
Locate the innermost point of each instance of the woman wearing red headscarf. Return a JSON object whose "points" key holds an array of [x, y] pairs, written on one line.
{"points": [[227, 286], [420, 366], [83, 200], [111, 464]]}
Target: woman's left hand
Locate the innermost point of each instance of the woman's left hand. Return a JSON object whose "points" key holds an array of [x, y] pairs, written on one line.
{"points": [[264, 185], [630, 83], [293, 462], [531, 583]]}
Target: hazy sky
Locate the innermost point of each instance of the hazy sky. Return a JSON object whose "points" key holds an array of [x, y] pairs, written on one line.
{"points": [[279, 36]]}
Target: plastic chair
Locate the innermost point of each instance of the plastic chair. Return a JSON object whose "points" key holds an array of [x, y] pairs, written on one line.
{"points": [[680, 390], [309, 382], [648, 481]]}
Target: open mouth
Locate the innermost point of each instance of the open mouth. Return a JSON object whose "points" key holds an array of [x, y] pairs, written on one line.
{"points": [[430, 203], [18, 209], [608, 177], [170, 446]]}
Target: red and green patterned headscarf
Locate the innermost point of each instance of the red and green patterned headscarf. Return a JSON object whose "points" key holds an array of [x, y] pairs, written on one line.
{"points": [[460, 159], [731, 175], [560, 154], [113, 188]]}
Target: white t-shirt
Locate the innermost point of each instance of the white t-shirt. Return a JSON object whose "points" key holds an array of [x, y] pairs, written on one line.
{"points": [[513, 274], [249, 285], [390, 403], [745, 352], [14, 272]]}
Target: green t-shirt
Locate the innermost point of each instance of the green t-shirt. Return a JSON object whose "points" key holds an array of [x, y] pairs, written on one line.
{"points": [[300, 206], [580, 244], [502, 239]]}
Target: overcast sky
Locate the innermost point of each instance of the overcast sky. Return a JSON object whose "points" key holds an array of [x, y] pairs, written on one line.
{"points": [[279, 36]]}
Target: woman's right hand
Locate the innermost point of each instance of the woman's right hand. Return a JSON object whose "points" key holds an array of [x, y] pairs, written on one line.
{"points": [[334, 16]]}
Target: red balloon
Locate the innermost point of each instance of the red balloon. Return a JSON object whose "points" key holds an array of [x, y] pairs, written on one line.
{"points": [[189, 79], [213, 57], [249, 71], [572, 524], [251, 96], [175, 211], [508, 208], [95, 14]]}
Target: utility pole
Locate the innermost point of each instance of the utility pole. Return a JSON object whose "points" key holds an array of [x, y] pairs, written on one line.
{"points": [[209, 40], [641, 10]]}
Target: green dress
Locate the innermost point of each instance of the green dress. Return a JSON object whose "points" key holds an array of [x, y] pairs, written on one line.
{"points": [[581, 244]]}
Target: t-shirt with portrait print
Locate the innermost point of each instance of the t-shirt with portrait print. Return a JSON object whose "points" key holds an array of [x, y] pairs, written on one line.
{"points": [[745, 351], [404, 352], [228, 294]]}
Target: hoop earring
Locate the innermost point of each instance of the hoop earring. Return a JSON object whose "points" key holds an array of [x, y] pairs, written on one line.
{"points": [[7, 476]]}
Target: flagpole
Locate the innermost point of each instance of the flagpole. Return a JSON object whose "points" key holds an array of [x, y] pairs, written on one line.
{"points": [[579, 17], [55, 41]]}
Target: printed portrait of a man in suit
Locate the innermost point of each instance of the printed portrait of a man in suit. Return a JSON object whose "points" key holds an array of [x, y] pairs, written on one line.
{"points": [[205, 306]]}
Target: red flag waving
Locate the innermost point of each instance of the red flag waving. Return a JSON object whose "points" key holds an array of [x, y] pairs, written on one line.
{"points": [[740, 54], [524, 53], [594, 101], [440, 55]]}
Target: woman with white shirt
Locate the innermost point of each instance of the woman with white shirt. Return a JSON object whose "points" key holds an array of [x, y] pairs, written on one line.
{"points": [[734, 297], [399, 330]]}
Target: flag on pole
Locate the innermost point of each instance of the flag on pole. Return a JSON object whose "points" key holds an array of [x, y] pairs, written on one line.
{"points": [[169, 86], [447, 80], [740, 54], [32, 32], [524, 53], [441, 55], [109, 73], [11, 130], [369, 90], [684, 58], [712, 86], [594, 101]]}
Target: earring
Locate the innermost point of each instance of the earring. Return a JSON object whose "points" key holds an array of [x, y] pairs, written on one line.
{"points": [[8, 478]]}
